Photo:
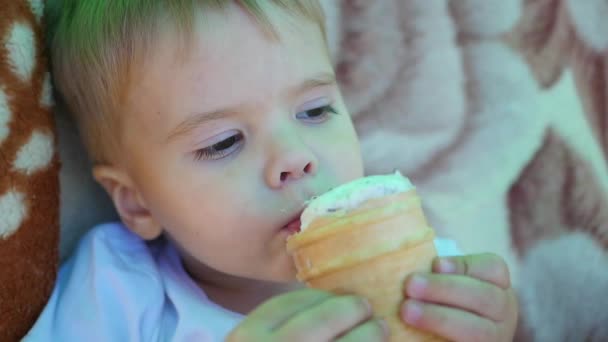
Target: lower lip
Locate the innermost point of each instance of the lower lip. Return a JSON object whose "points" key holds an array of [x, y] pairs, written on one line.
{"points": [[292, 228]]}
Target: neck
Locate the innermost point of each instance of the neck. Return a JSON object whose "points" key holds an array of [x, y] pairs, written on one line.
{"points": [[244, 295], [234, 293]]}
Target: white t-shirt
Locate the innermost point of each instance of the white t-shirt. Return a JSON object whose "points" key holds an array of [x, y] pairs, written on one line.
{"points": [[117, 287]]}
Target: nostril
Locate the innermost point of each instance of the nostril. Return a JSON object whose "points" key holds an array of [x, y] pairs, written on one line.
{"points": [[284, 176], [307, 168]]}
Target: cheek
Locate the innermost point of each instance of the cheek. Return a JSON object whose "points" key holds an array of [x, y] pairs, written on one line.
{"points": [[212, 215], [206, 231], [342, 149]]}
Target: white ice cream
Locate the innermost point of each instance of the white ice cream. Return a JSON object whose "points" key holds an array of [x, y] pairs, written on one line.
{"points": [[349, 196]]}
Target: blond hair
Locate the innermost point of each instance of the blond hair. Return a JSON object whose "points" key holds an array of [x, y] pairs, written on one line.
{"points": [[95, 44]]}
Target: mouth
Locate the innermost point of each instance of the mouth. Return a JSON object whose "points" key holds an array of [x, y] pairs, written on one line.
{"points": [[293, 226]]}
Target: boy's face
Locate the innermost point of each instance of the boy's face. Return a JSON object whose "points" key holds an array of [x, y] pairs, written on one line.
{"points": [[223, 145]]}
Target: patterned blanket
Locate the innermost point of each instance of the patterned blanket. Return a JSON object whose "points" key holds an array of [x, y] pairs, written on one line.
{"points": [[29, 185], [496, 109]]}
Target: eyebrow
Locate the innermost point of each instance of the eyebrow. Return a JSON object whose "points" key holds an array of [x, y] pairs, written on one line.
{"points": [[198, 119]]}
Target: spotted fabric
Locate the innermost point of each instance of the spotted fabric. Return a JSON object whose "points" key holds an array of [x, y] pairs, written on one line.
{"points": [[29, 189]]}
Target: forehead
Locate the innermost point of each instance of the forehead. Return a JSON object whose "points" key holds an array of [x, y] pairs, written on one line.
{"points": [[236, 50], [229, 60]]}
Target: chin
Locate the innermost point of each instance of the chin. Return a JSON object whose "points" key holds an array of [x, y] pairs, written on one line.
{"points": [[285, 271], [287, 278], [277, 277]]}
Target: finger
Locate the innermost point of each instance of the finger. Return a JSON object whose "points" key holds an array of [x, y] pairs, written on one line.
{"points": [[326, 320], [488, 267], [450, 323], [277, 310], [373, 330], [466, 293]]}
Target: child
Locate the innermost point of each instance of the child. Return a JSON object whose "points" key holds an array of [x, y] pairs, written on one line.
{"points": [[209, 124]]}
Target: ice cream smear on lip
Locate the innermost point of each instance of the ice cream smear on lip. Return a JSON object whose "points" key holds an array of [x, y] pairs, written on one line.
{"points": [[349, 196]]}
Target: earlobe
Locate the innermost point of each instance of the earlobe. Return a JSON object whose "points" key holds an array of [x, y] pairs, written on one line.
{"points": [[128, 203]]}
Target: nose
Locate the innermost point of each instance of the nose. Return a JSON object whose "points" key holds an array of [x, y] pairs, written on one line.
{"points": [[290, 163]]}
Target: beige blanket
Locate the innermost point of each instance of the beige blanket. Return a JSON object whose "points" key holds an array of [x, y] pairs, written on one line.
{"points": [[497, 110]]}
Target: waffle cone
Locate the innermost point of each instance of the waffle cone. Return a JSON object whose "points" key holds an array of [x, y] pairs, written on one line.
{"points": [[369, 251]]}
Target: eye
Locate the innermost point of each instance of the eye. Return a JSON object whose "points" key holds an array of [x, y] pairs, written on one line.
{"points": [[219, 150], [317, 114]]}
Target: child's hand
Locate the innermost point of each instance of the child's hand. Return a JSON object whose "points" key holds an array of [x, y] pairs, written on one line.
{"points": [[469, 300], [311, 315]]}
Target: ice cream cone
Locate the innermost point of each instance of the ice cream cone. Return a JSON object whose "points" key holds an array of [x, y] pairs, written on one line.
{"points": [[369, 251]]}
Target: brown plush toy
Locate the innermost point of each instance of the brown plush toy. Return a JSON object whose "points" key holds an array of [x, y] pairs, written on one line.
{"points": [[29, 185]]}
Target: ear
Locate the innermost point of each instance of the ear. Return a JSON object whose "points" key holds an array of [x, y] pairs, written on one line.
{"points": [[128, 201]]}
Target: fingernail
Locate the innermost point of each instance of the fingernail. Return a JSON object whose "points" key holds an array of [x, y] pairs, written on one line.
{"points": [[447, 266], [417, 286], [412, 312]]}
